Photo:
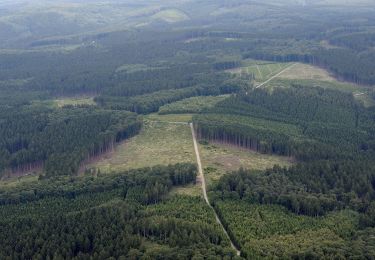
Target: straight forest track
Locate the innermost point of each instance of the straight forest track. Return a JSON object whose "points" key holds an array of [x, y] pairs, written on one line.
{"points": [[275, 76], [203, 181]]}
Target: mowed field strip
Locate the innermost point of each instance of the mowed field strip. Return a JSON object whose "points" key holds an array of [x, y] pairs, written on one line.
{"points": [[273, 74]]}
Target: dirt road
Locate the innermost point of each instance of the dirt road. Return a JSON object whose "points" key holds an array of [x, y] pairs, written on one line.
{"points": [[203, 181], [275, 76]]}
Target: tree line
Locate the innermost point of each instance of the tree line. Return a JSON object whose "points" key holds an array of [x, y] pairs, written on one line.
{"points": [[148, 103], [307, 123], [60, 139]]}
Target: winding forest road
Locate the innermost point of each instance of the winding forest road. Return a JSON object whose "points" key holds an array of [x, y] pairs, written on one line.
{"points": [[275, 76], [203, 181]]}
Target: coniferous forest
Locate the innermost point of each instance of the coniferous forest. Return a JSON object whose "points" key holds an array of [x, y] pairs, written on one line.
{"points": [[97, 159], [74, 220], [330, 136]]}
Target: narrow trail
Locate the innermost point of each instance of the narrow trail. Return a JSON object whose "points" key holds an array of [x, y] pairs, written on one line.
{"points": [[275, 76], [203, 181]]}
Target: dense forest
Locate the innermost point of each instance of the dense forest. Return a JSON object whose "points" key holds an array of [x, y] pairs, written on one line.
{"points": [[303, 122], [331, 135], [131, 210], [60, 140], [130, 60], [271, 231], [148, 103]]}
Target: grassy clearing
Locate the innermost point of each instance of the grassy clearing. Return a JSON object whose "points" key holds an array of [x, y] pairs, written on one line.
{"points": [[364, 97], [218, 159], [191, 105], [189, 190], [131, 68], [262, 70], [342, 86], [304, 74], [301, 74], [13, 182], [305, 71], [74, 101], [157, 143], [169, 118], [171, 16]]}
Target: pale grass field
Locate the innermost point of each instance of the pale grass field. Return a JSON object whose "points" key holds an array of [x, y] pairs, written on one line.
{"points": [[162, 143], [171, 16], [262, 70], [74, 101], [191, 190], [305, 71], [13, 182], [157, 144], [219, 159], [314, 76], [169, 118], [303, 74]]}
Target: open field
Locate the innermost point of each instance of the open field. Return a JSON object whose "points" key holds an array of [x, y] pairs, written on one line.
{"points": [[74, 101], [157, 143], [131, 68], [305, 71], [262, 70], [301, 74], [190, 190], [162, 142], [218, 159], [171, 16], [191, 105], [307, 75], [169, 118], [13, 182], [304, 74]]}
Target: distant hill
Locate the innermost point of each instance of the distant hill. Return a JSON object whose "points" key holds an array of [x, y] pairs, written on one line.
{"points": [[24, 22]]}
